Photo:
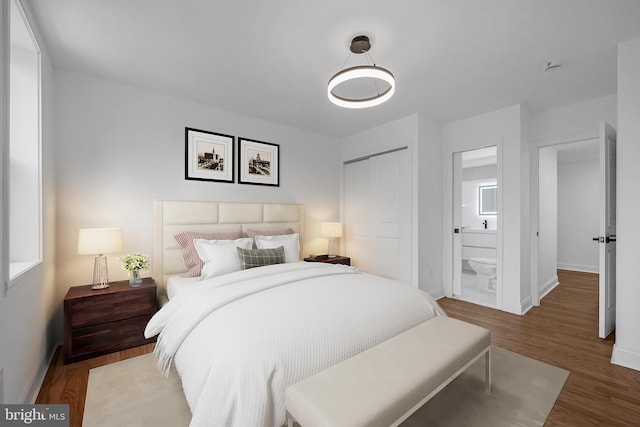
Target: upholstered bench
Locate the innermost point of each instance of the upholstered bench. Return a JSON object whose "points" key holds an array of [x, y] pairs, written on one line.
{"points": [[385, 384]]}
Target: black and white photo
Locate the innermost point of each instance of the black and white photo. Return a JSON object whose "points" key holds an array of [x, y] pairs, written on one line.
{"points": [[208, 156], [258, 162]]}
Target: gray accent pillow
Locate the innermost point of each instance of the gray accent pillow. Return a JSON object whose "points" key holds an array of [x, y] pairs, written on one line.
{"points": [[250, 258]]}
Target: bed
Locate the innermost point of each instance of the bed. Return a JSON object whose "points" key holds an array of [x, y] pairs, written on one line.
{"points": [[238, 340]]}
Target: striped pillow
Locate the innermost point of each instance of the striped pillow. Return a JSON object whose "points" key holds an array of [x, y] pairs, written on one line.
{"points": [[191, 259], [250, 258]]}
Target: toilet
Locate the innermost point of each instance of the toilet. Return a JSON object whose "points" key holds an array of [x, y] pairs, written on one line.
{"points": [[485, 269]]}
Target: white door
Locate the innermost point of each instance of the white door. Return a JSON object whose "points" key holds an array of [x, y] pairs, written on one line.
{"points": [[607, 237], [378, 214], [457, 224]]}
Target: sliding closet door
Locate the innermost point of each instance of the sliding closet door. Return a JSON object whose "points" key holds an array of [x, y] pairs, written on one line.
{"points": [[378, 214]]}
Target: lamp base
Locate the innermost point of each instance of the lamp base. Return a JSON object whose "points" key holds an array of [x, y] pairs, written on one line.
{"points": [[100, 273], [332, 247]]}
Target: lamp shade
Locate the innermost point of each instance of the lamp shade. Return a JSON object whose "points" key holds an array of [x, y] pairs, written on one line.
{"points": [[331, 229], [93, 241]]}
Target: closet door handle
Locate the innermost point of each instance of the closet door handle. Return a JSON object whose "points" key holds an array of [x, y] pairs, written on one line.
{"points": [[596, 239]]}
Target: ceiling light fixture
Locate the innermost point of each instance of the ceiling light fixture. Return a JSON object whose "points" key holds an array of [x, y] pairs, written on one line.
{"points": [[361, 45]]}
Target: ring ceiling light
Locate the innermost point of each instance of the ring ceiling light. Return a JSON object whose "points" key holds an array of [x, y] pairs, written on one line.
{"points": [[361, 45]]}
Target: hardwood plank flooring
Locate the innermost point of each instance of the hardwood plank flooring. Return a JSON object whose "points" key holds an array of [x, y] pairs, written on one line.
{"points": [[563, 332]]}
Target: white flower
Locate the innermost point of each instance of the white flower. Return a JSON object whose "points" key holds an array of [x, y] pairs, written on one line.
{"points": [[135, 261]]}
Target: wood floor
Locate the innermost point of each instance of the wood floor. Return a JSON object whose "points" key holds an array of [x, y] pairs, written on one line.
{"points": [[563, 332]]}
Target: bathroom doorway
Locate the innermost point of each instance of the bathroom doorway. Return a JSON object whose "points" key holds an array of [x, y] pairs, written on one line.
{"points": [[476, 206]]}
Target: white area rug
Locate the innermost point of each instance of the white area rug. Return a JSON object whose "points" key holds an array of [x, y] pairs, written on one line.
{"points": [[132, 393]]}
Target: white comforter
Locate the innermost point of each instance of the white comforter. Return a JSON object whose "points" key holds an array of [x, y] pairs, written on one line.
{"points": [[240, 340]]}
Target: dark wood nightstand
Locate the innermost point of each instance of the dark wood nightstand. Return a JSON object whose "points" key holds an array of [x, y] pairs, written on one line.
{"points": [[102, 321], [335, 260]]}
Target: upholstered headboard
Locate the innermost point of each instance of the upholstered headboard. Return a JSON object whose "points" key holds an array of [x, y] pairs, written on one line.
{"points": [[173, 216]]}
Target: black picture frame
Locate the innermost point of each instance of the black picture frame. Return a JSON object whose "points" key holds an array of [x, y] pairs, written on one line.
{"points": [[258, 162], [209, 156]]}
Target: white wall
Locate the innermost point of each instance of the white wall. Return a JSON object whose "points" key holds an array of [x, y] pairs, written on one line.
{"points": [[572, 121], [120, 147], [429, 165], [578, 215], [626, 351], [548, 225], [504, 128], [27, 323]]}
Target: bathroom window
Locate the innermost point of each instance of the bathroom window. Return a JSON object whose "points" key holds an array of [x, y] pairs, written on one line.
{"points": [[488, 200]]}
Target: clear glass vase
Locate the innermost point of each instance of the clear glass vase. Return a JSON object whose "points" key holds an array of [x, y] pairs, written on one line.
{"points": [[135, 279]]}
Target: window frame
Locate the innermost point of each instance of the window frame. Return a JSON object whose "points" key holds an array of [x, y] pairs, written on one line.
{"points": [[16, 270]]}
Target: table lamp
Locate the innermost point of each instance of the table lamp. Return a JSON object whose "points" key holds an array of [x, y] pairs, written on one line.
{"points": [[333, 231], [99, 241]]}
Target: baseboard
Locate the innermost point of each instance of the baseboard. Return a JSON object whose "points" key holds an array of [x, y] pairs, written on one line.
{"points": [[517, 307], [627, 358], [436, 293], [42, 373], [577, 267], [548, 286]]}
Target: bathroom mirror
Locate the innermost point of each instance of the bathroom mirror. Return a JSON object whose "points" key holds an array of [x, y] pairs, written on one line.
{"points": [[488, 200]]}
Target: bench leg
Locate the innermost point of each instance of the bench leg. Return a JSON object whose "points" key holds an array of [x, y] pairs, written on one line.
{"points": [[487, 372]]}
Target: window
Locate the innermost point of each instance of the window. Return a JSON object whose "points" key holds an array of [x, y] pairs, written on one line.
{"points": [[25, 199]]}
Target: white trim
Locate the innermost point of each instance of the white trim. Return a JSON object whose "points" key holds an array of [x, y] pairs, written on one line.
{"points": [[517, 307], [22, 268], [4, 142], [12, 280], [565, 139], [578, 267], [437, 293], [548, 286], [626, 358], [42, 373], [448, 241], [534, 202]]}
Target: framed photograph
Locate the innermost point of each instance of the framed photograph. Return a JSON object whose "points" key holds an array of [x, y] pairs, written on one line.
{"points": [[208, 156], [258, 162]]}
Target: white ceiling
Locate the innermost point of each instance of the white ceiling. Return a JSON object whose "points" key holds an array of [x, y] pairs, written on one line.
{"points": [[272, 59]]}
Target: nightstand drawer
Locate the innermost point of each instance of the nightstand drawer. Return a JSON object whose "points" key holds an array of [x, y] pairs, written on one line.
{"points": [[108, 337], [111, 307]]}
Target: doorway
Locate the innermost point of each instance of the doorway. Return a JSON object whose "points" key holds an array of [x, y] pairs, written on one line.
{"points": [[575, 216], [476, 208]]}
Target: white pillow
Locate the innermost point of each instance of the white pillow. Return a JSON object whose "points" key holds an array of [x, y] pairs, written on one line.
{"points": [[291, 243], [220, 256]]}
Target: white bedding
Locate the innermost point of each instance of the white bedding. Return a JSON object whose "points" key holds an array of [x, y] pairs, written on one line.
{"points": [[177, 283], [241, 339]]}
